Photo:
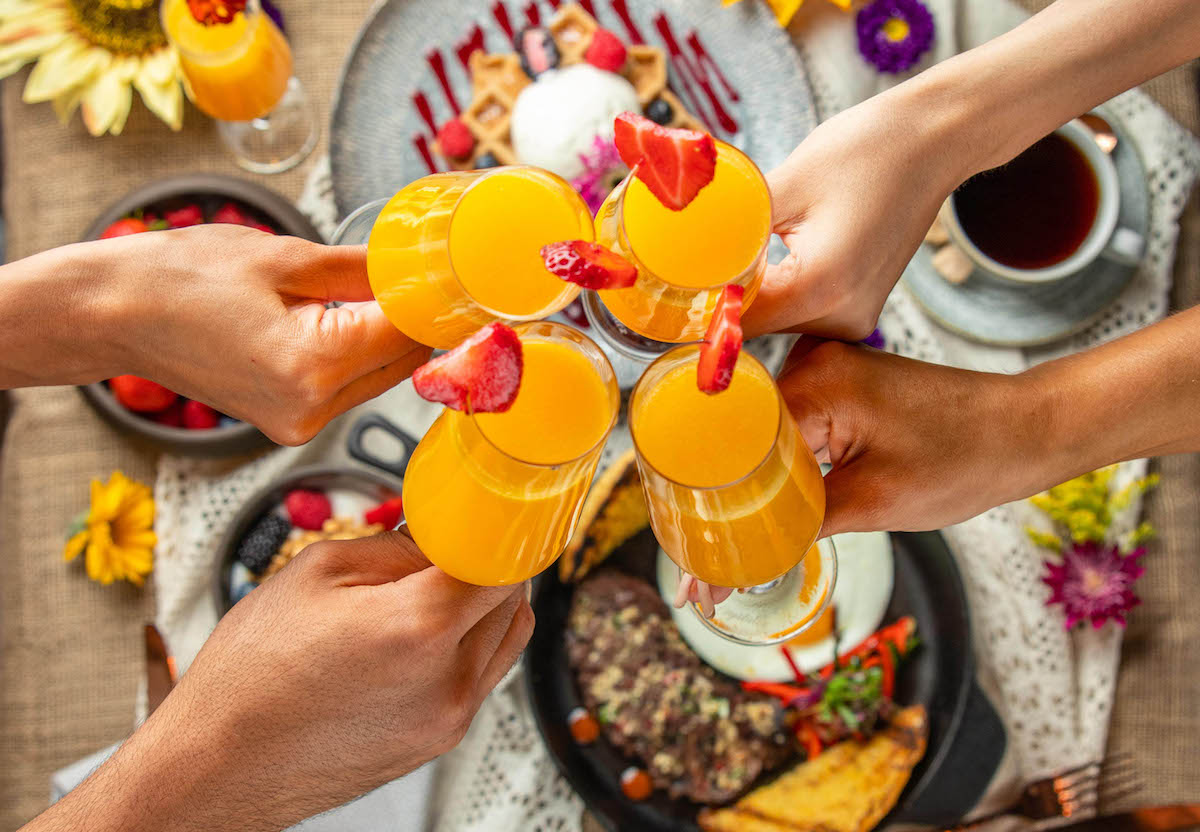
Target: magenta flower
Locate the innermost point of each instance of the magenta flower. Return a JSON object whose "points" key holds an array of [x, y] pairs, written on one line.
{"points": [[1095, 582], [894, 34], [603, 171]]}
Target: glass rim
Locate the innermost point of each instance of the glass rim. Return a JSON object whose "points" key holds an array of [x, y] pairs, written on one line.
{"points": [[779, 424], [564, 332], [335, 238], [252, 11], [740, 278], [570, 290]]}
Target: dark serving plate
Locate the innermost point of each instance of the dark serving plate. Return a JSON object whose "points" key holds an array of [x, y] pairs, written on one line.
{"points": [[966, 738], [377, 486], [209, 191]]}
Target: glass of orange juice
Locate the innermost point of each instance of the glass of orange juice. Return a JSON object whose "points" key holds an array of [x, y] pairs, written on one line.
{"points": [[238, 69], [452, 252], [493, 498], [684, 258], [737, 499]]}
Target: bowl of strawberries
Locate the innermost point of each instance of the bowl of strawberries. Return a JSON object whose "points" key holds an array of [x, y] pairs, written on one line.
{"points": [[140, 406]]}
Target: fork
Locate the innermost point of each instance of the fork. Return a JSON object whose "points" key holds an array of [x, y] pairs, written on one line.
{"points": [[1074, 793]]}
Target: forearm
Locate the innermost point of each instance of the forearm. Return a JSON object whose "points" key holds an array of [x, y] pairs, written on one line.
{"points": [[999, 98], [60, 315], [1133, 397]]}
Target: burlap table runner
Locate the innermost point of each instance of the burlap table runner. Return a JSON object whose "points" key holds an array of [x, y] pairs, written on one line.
{"points": [[70, 651]]}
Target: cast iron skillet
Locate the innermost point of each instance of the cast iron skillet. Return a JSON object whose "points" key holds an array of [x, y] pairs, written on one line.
{"points": [[966, 738]]}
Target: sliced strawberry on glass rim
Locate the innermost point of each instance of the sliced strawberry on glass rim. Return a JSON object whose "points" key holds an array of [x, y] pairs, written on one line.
{"points": [[722, 342], [589, 265], [674, 163], [480, 375]]}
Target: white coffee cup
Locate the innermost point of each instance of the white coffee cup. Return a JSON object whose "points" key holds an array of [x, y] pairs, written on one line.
{"points": [[1104, 239]]}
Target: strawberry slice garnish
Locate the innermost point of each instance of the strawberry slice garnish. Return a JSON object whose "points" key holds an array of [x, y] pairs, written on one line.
{"points": [[213, 12], [480, 375], [722, 342], [673, 162], [589, 265]]}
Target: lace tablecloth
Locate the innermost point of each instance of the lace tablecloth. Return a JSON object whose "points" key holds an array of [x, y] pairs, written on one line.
{"points": [[1053, 689]]}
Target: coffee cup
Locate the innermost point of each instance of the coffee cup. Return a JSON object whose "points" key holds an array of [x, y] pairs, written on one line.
{"points": [[1000, 220]]}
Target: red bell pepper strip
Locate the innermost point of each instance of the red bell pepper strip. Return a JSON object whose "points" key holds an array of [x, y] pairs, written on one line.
{"points": [[896, 634], [887, 660], [787, 694], [787, 655], [809, 739]]}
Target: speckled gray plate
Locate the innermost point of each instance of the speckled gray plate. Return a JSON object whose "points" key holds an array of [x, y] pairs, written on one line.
{"points": [[991, 311], [372, 153]]}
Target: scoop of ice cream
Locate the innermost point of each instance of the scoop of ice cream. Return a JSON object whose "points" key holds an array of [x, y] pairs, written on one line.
{"points": [[557, 118]]}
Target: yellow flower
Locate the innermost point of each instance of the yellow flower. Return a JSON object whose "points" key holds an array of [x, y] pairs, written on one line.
{"points": [[785, 10], [91, 55], [117, 532]]}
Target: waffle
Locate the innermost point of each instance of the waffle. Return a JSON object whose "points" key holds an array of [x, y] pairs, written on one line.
{"points": [[497, 80]]}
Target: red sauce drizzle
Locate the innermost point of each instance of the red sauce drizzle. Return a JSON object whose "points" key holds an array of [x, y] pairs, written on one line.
{"points": [[468, 46], [554, 4], [685, 68], [532, 14], [424, 110], [434, 57], [682, 67], [500, 12], [621, 9], [588, 7], [422, 145], [705, 62]]}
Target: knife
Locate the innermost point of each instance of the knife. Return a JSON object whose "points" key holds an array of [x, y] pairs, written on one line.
{"points": [[160, 669]]}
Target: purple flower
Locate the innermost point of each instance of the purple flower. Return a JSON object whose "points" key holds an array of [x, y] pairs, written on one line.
{"points": [[894, 34], [875, 339], [1094, 582], [602, 171]]}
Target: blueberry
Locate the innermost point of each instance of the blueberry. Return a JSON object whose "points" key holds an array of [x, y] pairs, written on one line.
{"points": [[538, 50], [240, 591], [228, 421], [660, 111], [487, 160]]}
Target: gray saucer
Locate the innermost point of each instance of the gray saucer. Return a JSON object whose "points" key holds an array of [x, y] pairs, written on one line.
{"points": [[992, 311]]}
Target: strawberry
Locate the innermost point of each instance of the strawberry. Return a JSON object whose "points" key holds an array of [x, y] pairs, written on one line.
{"points": [[482, 374], [308, 509], [141, 395], [185, 216], [122, 227], [387, 513], [722, 342], [605, 51], [232, 214], [199, 416], [674, 163], [210, 12], [172, 417], [261, 227], [589, 265], [454, 140]]}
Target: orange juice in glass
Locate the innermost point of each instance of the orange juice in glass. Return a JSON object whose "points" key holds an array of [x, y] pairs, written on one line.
{"points": [[736, 498], [493, 498], [238, 69], [685, 258], [452, 252]]}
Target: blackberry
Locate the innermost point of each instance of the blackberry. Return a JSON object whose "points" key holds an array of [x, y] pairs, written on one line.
{"points": [[487, 160], [538, 50], [262, 542], [660, 111]]}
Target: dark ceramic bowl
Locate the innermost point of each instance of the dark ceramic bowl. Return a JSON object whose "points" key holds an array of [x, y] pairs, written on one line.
{"points": [[210, 191], [378, 487]]}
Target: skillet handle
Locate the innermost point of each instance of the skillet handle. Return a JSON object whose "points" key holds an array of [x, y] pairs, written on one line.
{"points": [[357, 449], [974, 755]]}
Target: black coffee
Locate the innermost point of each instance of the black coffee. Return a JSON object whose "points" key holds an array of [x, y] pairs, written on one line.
{"points": [[1035, 211]]}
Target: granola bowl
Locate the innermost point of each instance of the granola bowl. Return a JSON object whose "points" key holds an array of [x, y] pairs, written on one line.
{"points": [[352, 492]]}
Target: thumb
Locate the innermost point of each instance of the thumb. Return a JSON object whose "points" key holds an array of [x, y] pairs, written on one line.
{"points": [[371, 561]]}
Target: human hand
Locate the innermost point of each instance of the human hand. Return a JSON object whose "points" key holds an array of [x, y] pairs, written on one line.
{"points": [[918, 446], [354, 665], [852, 202], [236, 318]]}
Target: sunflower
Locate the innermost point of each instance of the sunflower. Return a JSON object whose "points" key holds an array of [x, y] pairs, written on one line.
{"points": [[785, 10], [117, 532], [91, 55]]}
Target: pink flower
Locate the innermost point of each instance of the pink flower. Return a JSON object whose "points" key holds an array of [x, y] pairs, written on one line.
{"points": [[602, 171], [1094, 581]]}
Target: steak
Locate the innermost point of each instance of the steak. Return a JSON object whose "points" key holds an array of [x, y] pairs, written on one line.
{"points": [[697, 733]]}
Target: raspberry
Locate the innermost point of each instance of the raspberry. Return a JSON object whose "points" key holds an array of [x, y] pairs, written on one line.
{"points": [[387, 513], [308, 509], [185, 216], [261, 543], [199, 416], [455, 140], [605, 51]]}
